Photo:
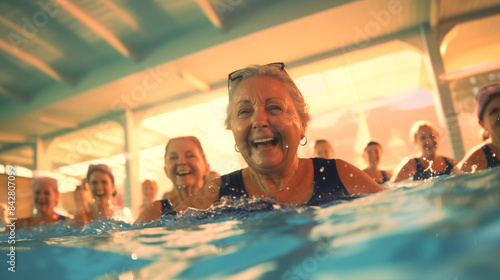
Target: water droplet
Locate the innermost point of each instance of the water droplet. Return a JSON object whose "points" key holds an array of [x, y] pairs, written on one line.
{"points": [[286, 147], [322, 169], [319, 196], [324, 178], [134, 256], [352, 175]]}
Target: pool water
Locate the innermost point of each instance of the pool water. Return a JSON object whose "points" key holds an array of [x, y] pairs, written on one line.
{"points": [[447, 228]]}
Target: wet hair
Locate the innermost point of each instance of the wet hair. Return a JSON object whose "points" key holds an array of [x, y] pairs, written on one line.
{"points": [[373, 142], [188, 138], [417, 126], [258, 71]]}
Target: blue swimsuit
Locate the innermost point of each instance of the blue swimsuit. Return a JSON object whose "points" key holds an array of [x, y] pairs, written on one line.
{"points": [[327, 183], [422, 174], [491, 159]]}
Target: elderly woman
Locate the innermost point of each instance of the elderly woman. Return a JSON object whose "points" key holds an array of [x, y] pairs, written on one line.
{"points": [[486, 155], [268, 118], [46, 198], [428, 164], [323, 149], [187, 167], [373, 155]]}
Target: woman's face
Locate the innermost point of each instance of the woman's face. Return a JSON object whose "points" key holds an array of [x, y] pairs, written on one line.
{"points": [[102, 187], [373, 155], [427, 139], [185, 165], [45, 199], [323, 150], [491, 119], [265, 124], [148, 191]]}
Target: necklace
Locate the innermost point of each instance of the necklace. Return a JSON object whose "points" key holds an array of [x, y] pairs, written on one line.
{"points": [[285, 188]]}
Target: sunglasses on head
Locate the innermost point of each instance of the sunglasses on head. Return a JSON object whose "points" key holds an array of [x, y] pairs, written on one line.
{"points": [[238, 73]]}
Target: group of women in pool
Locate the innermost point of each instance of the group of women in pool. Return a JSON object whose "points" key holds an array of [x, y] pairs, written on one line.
{"points": [[268, 117]]}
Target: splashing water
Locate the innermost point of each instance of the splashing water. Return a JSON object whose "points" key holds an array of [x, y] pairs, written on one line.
{"points": [[446, 228]]}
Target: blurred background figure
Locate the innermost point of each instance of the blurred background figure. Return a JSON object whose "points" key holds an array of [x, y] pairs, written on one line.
{"points": [[487, 154], [428, 163], [323, 149], [83, 202], [149, 191], [187, 167], [46, 199], [373, 155], [103, 189]]}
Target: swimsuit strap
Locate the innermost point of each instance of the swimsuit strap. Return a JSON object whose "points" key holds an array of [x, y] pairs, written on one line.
{"points": [[384, 177], [166, 207], [491, 159], [327, 183], [232, 185]]}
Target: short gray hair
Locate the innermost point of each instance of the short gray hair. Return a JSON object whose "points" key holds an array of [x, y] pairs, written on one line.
{"points": [[257, 71]]}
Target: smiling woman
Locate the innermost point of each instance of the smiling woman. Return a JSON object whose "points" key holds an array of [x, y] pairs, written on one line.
{"points": [[268, 117], [46, 198], [187, 167], [428, 164]]}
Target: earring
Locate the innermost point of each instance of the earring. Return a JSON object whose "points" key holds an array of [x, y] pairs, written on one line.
{"points": [[305, 142], [236, 148]]}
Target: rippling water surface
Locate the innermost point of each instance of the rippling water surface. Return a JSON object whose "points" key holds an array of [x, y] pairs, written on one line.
{"points": [[448, 228]]}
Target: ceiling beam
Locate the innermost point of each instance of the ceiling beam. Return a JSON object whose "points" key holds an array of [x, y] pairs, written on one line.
{"points": [[123, 15], [12, 138], [33, 37], [210, 13], [446, 25], [34, 62], [59, 122], [14, 95], [470, 71], [98, 28]]}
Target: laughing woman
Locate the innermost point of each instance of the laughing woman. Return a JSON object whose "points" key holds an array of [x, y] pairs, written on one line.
{"points": [[428, 164], [268, 117], [187, 167], [487, 155], [46, 198]]}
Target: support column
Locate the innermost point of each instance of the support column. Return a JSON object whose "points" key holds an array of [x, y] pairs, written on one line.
{"points": [[436, 68], [41, 159], [132, 188]]}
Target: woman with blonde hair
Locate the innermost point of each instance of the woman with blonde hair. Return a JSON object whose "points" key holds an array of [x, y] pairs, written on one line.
{"points": [[429, 163]]}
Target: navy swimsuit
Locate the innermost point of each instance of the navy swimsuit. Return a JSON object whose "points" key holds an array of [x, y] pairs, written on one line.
{"points": [[422, 174], [166, 207], [327, 183], [491, 159], [384, 178]]}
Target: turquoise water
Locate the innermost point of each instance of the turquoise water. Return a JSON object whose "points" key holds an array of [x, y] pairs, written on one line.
{"points": [[448, 228]]}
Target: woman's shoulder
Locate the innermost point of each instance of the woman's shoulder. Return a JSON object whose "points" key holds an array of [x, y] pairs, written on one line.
{"points": [[475, 160]]}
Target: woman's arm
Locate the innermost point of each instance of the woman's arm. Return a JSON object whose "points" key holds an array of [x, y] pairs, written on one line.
{"points": [[150, 213], [355, 180], [405, 172], [203, 198]]}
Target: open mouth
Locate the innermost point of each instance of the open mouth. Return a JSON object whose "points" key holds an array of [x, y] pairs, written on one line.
{"points": [[183, 172], [265, 143]]}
